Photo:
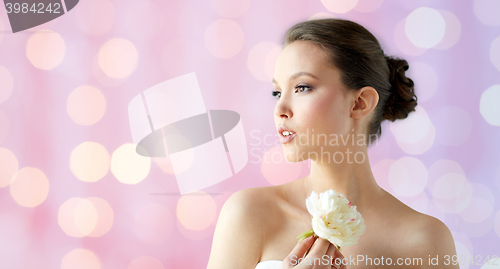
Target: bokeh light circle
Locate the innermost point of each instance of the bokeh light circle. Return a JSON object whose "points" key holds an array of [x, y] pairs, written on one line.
{"points": [[497, 223], [454, 126], [321, 15], [275, 168], [196, 210], [408, 176], [261, 57], [411, 130], [270, 61], [494, 53], [420, 147], [10, 165], [86, 105], [489, 105], [448, 186], [463, 246], [118, 58], [440, 168], [487, 11], [417, 142], [79, 217], [403, 43], [66, 217], [29, 187], [85, 217], [89, 161], [145, 262], [368, 5], [45, 49], [6, 84], [477, 211], [101, 12], [452, 32], [102, 77], [484, 192], [224, 38], [230, 8], [481, 206], [153, 223], [425, 27], [105, 216], [194, 235], [339, 6], [462, 251], [425, 79], [128, 166], [81, 259], [452, 193]]}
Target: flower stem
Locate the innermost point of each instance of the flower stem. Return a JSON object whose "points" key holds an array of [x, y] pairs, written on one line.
{"points": [[305, 235]]}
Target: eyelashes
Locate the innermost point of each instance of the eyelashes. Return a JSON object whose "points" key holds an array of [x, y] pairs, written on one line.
{"points": [[302, 87], [277, 94]]}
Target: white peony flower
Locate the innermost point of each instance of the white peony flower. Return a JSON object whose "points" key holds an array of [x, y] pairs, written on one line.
{"points": [[334, 219]]}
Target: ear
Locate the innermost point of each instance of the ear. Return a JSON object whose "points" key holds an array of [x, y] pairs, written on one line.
{"points": [[365, 100]]}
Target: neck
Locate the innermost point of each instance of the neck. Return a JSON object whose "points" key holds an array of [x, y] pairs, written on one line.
{"points": [[353, 179]]}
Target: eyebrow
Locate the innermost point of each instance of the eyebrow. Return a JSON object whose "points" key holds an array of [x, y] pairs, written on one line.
{"points": [[299, 74]]}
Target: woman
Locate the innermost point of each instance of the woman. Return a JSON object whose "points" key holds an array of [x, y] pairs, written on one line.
{"points": [[334, 87]]}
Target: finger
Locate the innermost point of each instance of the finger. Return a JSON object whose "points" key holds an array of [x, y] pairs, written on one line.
{"points": [[299, 250], [339, 258], [319, 248], [332, 255]]}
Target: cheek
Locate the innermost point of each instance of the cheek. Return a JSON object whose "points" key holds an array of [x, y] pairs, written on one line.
{"points": [[325, 116]]}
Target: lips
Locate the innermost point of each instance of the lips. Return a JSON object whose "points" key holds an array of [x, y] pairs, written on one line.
{"points": [[288, 138]]}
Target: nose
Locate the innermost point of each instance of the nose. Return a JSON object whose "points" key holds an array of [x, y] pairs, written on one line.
{"points": [[282, 110]]}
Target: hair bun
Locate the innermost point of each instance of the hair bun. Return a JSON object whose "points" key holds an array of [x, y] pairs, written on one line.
{"points": [[402, 100]]}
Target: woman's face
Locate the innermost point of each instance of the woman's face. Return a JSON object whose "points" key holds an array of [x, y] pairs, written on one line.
{"points": [[312, 100]]}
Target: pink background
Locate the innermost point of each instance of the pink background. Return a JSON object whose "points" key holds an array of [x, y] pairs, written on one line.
{"points": [[74, 195]]}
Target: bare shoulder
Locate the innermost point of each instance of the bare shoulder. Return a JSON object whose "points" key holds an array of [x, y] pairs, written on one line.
{"points": [[238, 241], [250, 204], [426, 237], [431, 239]]}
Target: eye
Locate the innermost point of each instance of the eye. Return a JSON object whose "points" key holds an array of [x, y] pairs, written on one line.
{"points": [[277, 94], [300, 88]]}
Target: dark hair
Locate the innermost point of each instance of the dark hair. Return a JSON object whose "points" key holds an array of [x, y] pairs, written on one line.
{"points": [[362, 62]]}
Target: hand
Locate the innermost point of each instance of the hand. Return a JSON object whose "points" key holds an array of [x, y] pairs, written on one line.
{"points": [[323, 255]]}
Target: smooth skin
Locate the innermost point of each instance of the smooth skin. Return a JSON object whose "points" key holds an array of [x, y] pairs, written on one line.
{"points": [[260, 224]]}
